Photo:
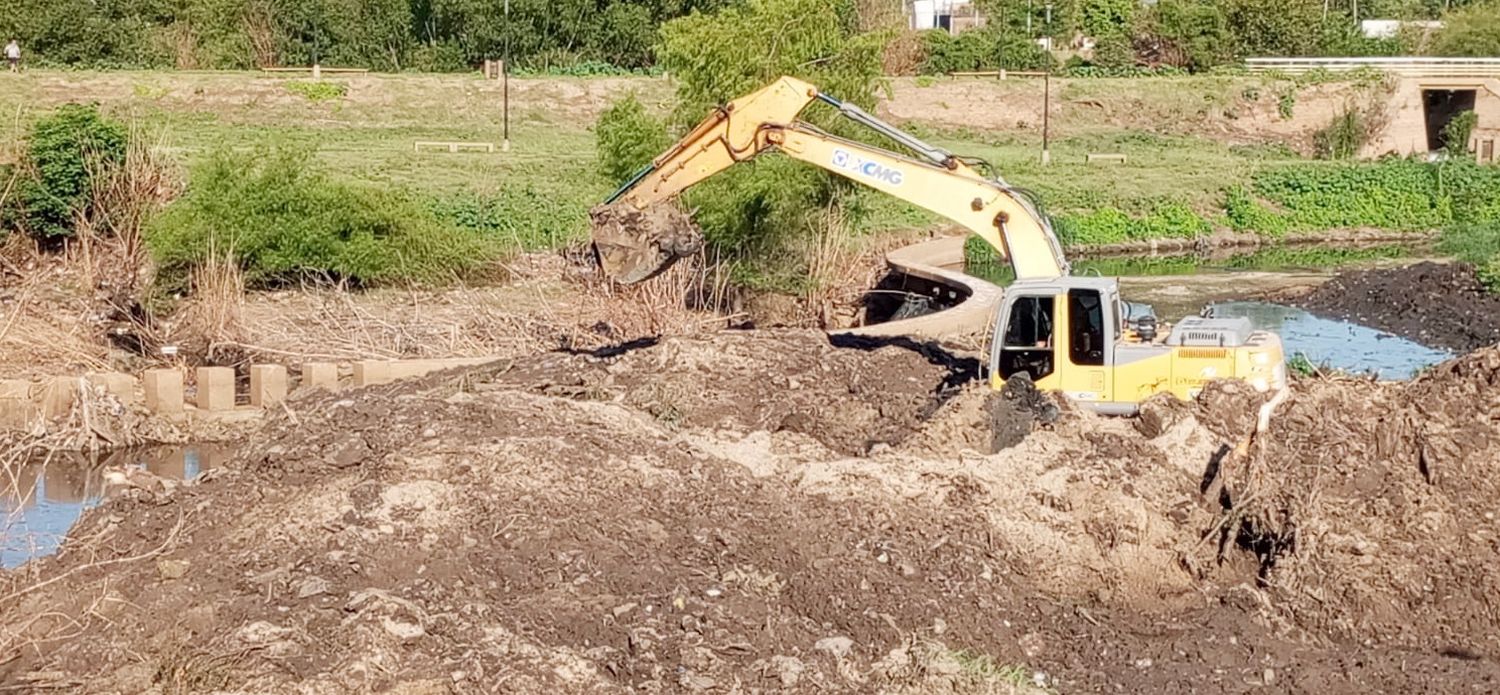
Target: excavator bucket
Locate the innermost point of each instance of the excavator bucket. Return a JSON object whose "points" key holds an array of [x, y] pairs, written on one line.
{"points": [[634, 245]]}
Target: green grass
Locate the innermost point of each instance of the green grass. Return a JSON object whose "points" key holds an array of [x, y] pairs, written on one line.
{"points": [[982, 262], [983, 670], [537, 195], [1160, 170], [1478, 244]]}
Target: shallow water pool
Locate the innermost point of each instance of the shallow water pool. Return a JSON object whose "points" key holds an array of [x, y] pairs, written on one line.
{"points": [[43, 497], [1334, 344]]}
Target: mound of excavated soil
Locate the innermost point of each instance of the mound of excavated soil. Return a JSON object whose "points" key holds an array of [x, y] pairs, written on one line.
{"points": [[1372, 508], [849, 398], [650, 520], [1437, 304]]}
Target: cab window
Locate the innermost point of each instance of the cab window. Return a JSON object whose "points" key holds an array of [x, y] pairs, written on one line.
{"points": [[1027, 344], [1086, 327]]}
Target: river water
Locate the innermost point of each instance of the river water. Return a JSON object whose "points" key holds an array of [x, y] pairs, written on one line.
{"points": [[43, 498]]}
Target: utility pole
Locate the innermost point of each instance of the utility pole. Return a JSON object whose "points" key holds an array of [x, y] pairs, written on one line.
{"points": [[505, 84], [1047, 118]]}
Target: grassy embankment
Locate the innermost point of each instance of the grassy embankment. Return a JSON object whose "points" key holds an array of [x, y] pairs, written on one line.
{"points": [[1180, 179]]}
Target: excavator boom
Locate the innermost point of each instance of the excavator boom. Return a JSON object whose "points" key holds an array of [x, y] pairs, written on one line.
{"points": [[637, 233]]}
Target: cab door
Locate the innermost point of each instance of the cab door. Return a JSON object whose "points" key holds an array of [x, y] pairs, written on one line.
{"points": [[1026, 340], [1087, 345]]}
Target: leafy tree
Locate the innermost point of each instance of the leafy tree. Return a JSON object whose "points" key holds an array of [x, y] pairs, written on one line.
{"points": [[1191, 34], [1106, 17], [1472, 31], [625, 35], [718, 57], [1274, 27], [754, 211]]}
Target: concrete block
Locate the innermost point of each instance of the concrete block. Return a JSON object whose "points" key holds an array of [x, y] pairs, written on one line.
{"points": [[215, 388], [56, 396], [371, 372], [320, 375], [124, 387], [267, 385], [163, 389], [16, 409]]}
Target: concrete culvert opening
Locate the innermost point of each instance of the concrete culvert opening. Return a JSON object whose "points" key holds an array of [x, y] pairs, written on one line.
{"points": [[1439, 107]]}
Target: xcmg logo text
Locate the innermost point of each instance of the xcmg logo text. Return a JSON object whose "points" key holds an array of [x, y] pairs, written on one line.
{"points": [[847, 161]]}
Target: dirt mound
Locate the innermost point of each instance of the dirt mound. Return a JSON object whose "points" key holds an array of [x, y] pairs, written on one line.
{"points": [[1371, 508], [849, 398], [538, 523], [1436, 304]]}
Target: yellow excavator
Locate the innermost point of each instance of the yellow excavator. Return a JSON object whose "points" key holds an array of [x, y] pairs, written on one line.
{"points": [[1068, 333]]}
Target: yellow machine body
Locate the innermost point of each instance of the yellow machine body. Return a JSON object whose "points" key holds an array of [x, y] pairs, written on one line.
{"points": [[1077, 339]]}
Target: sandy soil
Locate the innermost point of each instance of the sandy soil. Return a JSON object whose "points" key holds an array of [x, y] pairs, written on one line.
{"points": [[765, 511], [1235, 111]]}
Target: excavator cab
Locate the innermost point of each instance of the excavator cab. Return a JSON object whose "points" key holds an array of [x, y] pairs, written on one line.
{"points": [[1072, 334]]}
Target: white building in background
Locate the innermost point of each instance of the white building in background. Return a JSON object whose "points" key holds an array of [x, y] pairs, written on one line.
{"points": [[1389, 28], [953, 15]]}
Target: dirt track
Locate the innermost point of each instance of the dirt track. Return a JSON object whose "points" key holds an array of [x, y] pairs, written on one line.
{"points": [[754, 512]]}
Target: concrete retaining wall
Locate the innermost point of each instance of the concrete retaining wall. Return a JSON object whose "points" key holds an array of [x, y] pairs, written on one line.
{"points": [[931, 260], [24, 404], [1404, 130]]}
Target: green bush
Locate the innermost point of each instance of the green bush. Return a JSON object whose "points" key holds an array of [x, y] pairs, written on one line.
{"points": [[282, 221], [1114, 52], [628, 138], [66, 153], [1343, 137], [1397, 194], [1457, 133]]}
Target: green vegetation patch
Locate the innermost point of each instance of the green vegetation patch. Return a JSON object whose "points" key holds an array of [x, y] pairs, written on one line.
{"points": [[1478, 244], [1398, 194], [67, 154], [319, 90], [282, 221]]}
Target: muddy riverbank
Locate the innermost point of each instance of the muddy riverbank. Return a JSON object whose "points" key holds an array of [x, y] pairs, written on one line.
{"points": [[1439, 304]]}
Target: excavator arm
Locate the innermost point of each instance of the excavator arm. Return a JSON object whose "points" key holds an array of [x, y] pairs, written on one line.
{"points": [[633, 242]]}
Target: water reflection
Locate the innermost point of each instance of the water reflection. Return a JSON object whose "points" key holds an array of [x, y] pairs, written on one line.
{"points": [[41, 500], [1337, 344]]}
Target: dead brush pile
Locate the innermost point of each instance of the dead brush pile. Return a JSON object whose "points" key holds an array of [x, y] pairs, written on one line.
{"points": [[1372, 506]]}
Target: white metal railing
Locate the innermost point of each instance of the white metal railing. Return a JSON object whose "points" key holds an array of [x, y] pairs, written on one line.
{"points": [[1407, 66]]}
